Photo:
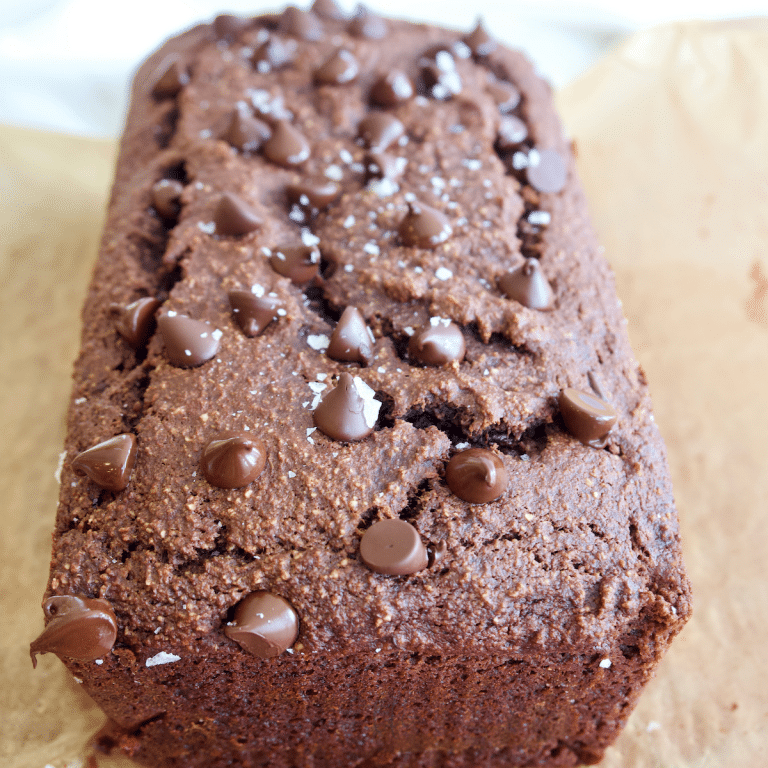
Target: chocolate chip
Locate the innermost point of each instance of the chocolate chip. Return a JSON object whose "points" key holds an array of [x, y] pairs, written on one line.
{"points": [[438, 73], [166, 198], [349, 411], [264, 624], [587, 417], [506, 96], [476, 475], [233, 459], [77, 627], [339, 68], [327, 9], [392, 89], [170, 77], [313, 196], [227, 26], [528, 285], [136, 321], [233, 217], [273, 53], [246, 132], [546, 170], [393, 547], [108, 464], [299, 263], [424, 227], [479, 41], [253, 313], [188, 343], [440, 343], [367, 24], [512, 132], [352, 340], [383, 165], [302, 24], [379, 130], [286, 146]]}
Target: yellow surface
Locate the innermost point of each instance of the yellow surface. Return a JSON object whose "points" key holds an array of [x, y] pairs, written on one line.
{"points": [[672, 136]]}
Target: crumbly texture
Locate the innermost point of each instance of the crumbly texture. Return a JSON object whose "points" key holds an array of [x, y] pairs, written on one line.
{"points": [[496, 654]]}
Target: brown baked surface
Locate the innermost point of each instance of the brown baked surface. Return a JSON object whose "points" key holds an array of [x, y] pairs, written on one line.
{"points": [[491, 656]]}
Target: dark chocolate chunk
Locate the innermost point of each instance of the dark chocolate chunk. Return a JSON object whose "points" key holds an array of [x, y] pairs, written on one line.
{"points": [[264, 624], [251, 312], [440, 343], [438, 73], [352, 340], [246, 132], [392, 88], [512, 132], [476, 475], [166, 198], [188, 343], [286, 146], [379, 130], [327, 9], [313, 196], [528, 285], [273, 53], [170, 77], [424, 227], [108, 464], [233, 459], [546, 170], [365, 23], [339, 68], [479, 41], [587, 417], [233, 216], [299, 263], [349, 411], [506, 96], [77, 627], [137, 321], [393, 547], [227, 26], [302, 24], [383, 165]]}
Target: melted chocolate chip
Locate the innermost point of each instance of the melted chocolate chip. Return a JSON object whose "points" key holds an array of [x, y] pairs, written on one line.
{"points": [[286, 146], [440, 343], [273, 53], [479, 41], [392, 88], [233, 216], [302, 24], [528, 285], [166, 198], [188, 343], [136, 321], [233, 459], [438, 73], [327, 9], [512, 132], [476, 475], [170, 78], [264, 625], [506, 96], [227, 26], [339, 68], [299, 263], [393, 547], [108, 464], [253, 313], [424, 227], [383, 165], [77, 627], [352, 340], [587, 417], [379, 130], [546, 170], [313, 196], [246, 132], [349, 411], [367, 24]]}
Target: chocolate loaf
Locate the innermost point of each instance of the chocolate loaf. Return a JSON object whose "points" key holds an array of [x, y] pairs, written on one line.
{"points": [[360, 469]]}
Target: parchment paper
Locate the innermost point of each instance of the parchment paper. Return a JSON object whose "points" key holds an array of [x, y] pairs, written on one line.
{"points": [[672, 139]]}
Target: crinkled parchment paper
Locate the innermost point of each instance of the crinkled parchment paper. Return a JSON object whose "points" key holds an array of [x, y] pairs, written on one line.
{"points": [[672, 139]]}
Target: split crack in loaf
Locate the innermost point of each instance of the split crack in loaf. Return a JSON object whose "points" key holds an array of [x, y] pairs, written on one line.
{"points": [[360, 469]]}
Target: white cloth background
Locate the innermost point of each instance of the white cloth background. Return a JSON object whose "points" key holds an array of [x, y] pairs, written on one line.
{"points": [[65, 64]]}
